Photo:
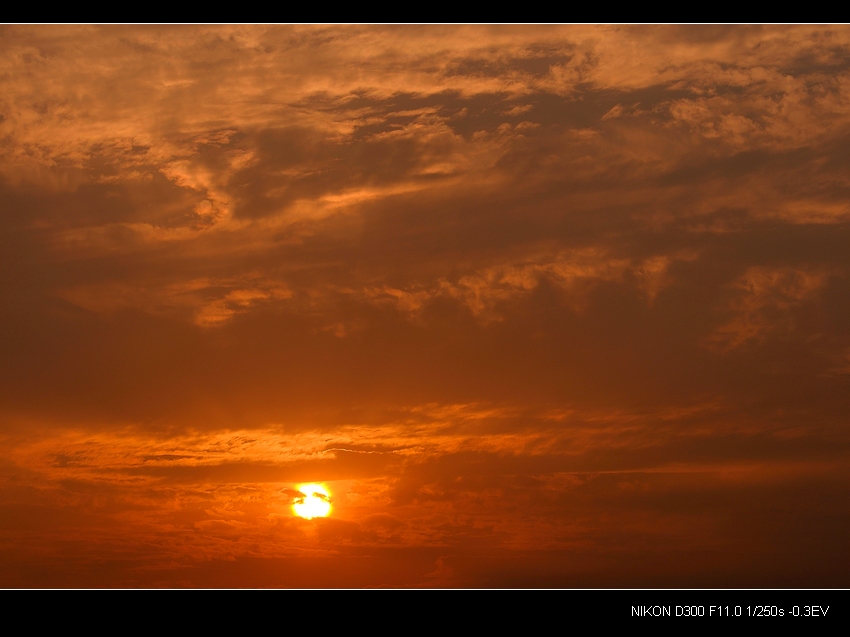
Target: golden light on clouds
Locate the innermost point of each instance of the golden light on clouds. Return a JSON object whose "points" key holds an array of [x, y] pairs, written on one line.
{"points": [[540, 305]]}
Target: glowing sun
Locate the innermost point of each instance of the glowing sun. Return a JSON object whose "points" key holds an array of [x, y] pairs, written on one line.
{"points": [[314, 501]]}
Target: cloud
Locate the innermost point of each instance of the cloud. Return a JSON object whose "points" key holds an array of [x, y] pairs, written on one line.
{"points": [[763, 303], [574, 272]]}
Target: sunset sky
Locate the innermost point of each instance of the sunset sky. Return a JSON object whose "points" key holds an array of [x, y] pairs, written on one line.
{"points": [[536, 306]]}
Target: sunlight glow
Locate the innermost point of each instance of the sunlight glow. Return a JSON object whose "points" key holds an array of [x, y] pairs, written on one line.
{"points": [[314, 502]]}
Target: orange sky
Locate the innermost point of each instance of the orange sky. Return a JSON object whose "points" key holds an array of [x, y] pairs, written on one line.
{"points": [[541, 306]]}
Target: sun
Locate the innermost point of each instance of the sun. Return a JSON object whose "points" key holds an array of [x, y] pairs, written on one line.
{"points": [[314, 501]]}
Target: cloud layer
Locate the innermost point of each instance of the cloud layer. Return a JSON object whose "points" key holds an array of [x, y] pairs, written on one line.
{"points": [[543, 306]]}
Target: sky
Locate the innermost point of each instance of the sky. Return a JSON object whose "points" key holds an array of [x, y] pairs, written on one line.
{"points": [[540, 306]]}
